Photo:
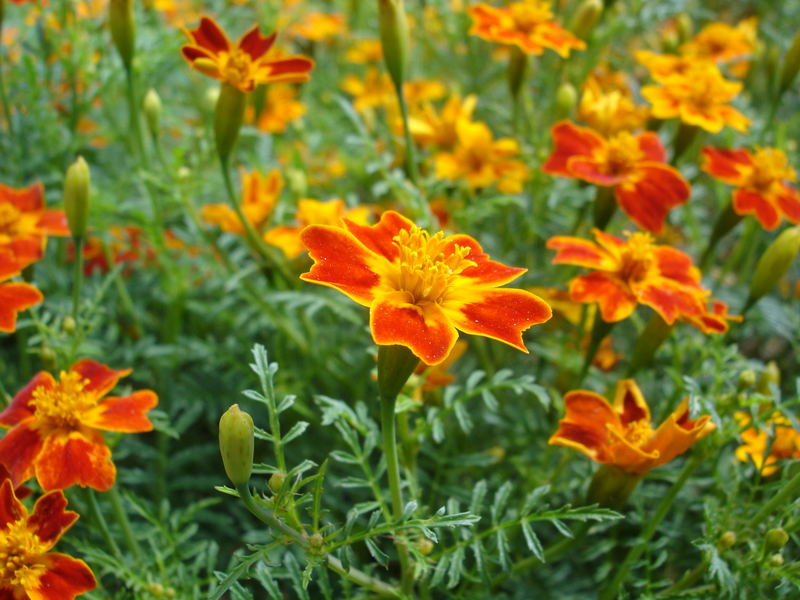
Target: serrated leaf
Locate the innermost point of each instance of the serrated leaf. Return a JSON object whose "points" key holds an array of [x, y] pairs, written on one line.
{"points": [[295, 432], [562, 528], [478, 496], [379, 555], [501, 497], [456, 567], [532, 541], [502, 550], [534, 498]]}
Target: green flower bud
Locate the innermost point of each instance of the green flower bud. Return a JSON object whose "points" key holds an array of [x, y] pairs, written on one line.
{"points": [[276, 481], [123, 30], [517, 68], [68, 325], [425, 546], [773, 264], [152, 111], [393, 26], [776, 539], [726, 540], [776, 560], [770, 375], [77, 184], [791, 64], [316, 541], [566, 99], [586, 17], [48, 357], [236, 444], [747, 379], [228, 117]]}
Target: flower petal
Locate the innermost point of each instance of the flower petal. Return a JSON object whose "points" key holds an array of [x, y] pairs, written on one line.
{"points": [[53, 222], [677, 434], [255, 44], [727, 165], [651, 146], [379, 237], [789, 202], [11, 509], [81, 458], [27, 199], [49, 521], [580, 252], [616, 300], [20, 409], [210, 36], [672, 300], [586, 424], [747, 202], [125, 414], [593, 171], [64, 578], [677, 265], [486, 271], [629, 403], [424, 329], [570, 140], [101, 378], [655, 191], [14, 298], [18, 451]]}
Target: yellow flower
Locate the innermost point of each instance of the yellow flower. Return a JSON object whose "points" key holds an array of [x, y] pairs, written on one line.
{"points": [[610, 110], [365, 51], [259, 196], [722, 43], [785, 442], [319, 26], [432, 129], [374, 90], [281, 107]]}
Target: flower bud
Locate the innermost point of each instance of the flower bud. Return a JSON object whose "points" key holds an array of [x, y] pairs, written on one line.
{"points": [[68, 325], [76, 197], [236, 444], [316, 541], [773, 264], [586, 17], [123, 30], [276, 481], [425, 546], [517, 67], [228, 117], [791, 64], [566, 99], [769, 376], [776, 560], [48, 357], [152, 111], [393, 26], [726, 540], [775, 539], [747, 379]]}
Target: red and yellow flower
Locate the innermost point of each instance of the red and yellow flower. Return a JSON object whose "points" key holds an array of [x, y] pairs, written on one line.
{"points": [[422, 288], [260, 194], [246, 64], [25, 223], [14, 297], [645, 187], [762, 179], [765, 448], [528, 24], [630, 272], [28, 569], [723, 43], [621, 434], [610, 109], [55, 427]]}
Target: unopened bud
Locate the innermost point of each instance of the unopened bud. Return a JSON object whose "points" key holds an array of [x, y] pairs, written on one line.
{"points": [[228, 117], [726, 540], [48, 358], [393, 25], [773, 264], [316, 540], [76, 197], [152, 111], [68, 325], [775, 539], [791, 64], [586, 17], [566, 99], [425, 546], [517, 68], [747, 379], [276, 481], [123, 30], [236, 444], [776, 560], [771, 375]]}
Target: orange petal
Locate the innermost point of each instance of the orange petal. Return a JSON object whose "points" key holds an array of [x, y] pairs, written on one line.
{"points": [[378, 237], [16, 297], [20, 409], [341, 262], [11, 509], [125, 414], [616, 300], [676, 265], [500, 314], [789, 202], [671, 300], [64, 578], [570, 140], [651, 146], [677, 434], [485, 271], [580, 252], [656, 190], [49, 521], [287, 239], [594, 171], [27, 199], [288, 70], [53, 222], [101, 378], [725, 164], [629, 403], [747, 202], [18, 451], [586, 424], [67, 459], [425, 330]]}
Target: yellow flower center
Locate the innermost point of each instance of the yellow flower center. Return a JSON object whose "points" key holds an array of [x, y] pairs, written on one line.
{"points": [[621, 152], [236, 67], [769, 166], [425, 271], [19, 549], [528, 15], [638, 432], [62, 406], [9, 219], [637, 258]]}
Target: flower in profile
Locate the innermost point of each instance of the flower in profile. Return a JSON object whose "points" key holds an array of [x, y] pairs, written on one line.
{"points": [[430, 128], [421, 288], [765, 448], [318, 26], [260, 193], [28, 568], [24, 220], [280, 108], [621, 434], [699, 97], [631, 272], [762, 179], [55, 426], [610, 110], [528, 25], [481, 161], [313, 212], [645, 187], [245, 65], [14, 297]]}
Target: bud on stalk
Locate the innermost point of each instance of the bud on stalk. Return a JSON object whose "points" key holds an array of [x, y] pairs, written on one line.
{"points": [[236, 444], [228, 117], [773, 264], [76, 197], [586, 17], [393, 26], [152, 111], [791, 65], [123, 29]]}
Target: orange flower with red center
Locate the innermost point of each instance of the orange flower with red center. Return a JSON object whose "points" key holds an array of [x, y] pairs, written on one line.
{"points": [[260, 194], [765, 448], [421, 288], [645, 187], [55, 427], [28, 570], [698, 97], [622, 434], [247, 64], [14, 297], [762, 180], [527, 24], [631, 272], [24, 220]]}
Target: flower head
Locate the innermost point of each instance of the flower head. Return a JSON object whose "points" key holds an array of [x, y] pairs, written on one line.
{"points": [[245, 65], [260, 193], [622, 434], [439, 130], [28, 569], [631, 272], [764, 448], [723, 43], [645, 187], [421, 288], [319, 26], [55, 427], [281, 107], [528, 25], [24, 221], [762, 179], [14, 297], [610, 110]]}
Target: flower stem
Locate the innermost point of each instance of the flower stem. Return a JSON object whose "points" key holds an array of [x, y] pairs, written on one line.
{"points": [[124, 523], [653, 335], [787, 492], [99, 520], [604, 206], [600, 330], [3, 95], [77, 280]]}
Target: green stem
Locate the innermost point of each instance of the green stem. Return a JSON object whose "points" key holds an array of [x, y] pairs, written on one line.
{"points": [[124, 523], [727, 220], [600, 330], [134, 122], [604, 206], [786, 493], [689, 578], [650, 339], [99, 520], [684, 137], [633, 555], [3, 96], [77, 281]]}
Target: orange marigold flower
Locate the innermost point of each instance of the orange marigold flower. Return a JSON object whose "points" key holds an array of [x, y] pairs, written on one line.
{"points": [[319, 26], [365, 51], [765, 448], [432, 129], [610, 110], [645, 187], [527, 24], [631, 272], [698, 97], [14, 297], [374, 90], [24, 220], [247, 64], [762, 180], [28, 569], [281, 108], [421, 288], [664, 66], [622, 434], [260, 194], [314, 212], [55, 426], [723, 43], [481, 161]]}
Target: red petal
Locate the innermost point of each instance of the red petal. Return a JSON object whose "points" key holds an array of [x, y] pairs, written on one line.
{"points": [[500, 314], [341, 262], [570, 140], [16, 297], [287, 70], [425, 329], [616, 300], [677, 265], [125, 414], [656, 190], [746, 202], [102, 379], [486, 271], [651, 146], [672, 300], [210, 36], [11, 509], [54, 222], [255, 44], [593, 171], [49, 521], [27, 199], [19, 409], [726, 164], [64, 579], [580, 252], [378, 237], [789, 203], [585, 424], [18, 451], [69, 459], [630, 404], [192, 53]]}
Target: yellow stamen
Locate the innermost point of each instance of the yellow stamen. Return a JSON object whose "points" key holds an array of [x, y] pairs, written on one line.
{"points": [[637, 258], [9, 218], [529, 15], [19, 549], [638, 432], [621, 152], [62, 406]]}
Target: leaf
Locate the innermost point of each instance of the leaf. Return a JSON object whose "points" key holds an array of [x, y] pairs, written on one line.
{"points": [[456, 567], [376, 553], [502, 550], [295, 432], [534, 498], [267, 582], [409, 510], [478, 496], [500, 500], [532, 541]]}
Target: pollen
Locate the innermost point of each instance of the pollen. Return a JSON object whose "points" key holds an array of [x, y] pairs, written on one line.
{"points": [[9, 218], [237, 67], [427, 265], [19, 549], [62, 405], [622, 153], [637, 257], [638, 432], [769, 166]]}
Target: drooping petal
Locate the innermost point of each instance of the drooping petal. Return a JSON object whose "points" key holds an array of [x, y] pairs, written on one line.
{"points": [[677, 434], [677, 265], [20, 409], [616, 300], [629, 403], [747, 202], [14, 298], [11, 509], [18, 451], [64, 578], [500, 314], [586, 424], [379, 237], [485, 271], [726, 164], [341, 262], [101, 378], [580, 252], [570, 140], [424, 329], [125, 414], [49, 521], [75, 458], [655, 190]]}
